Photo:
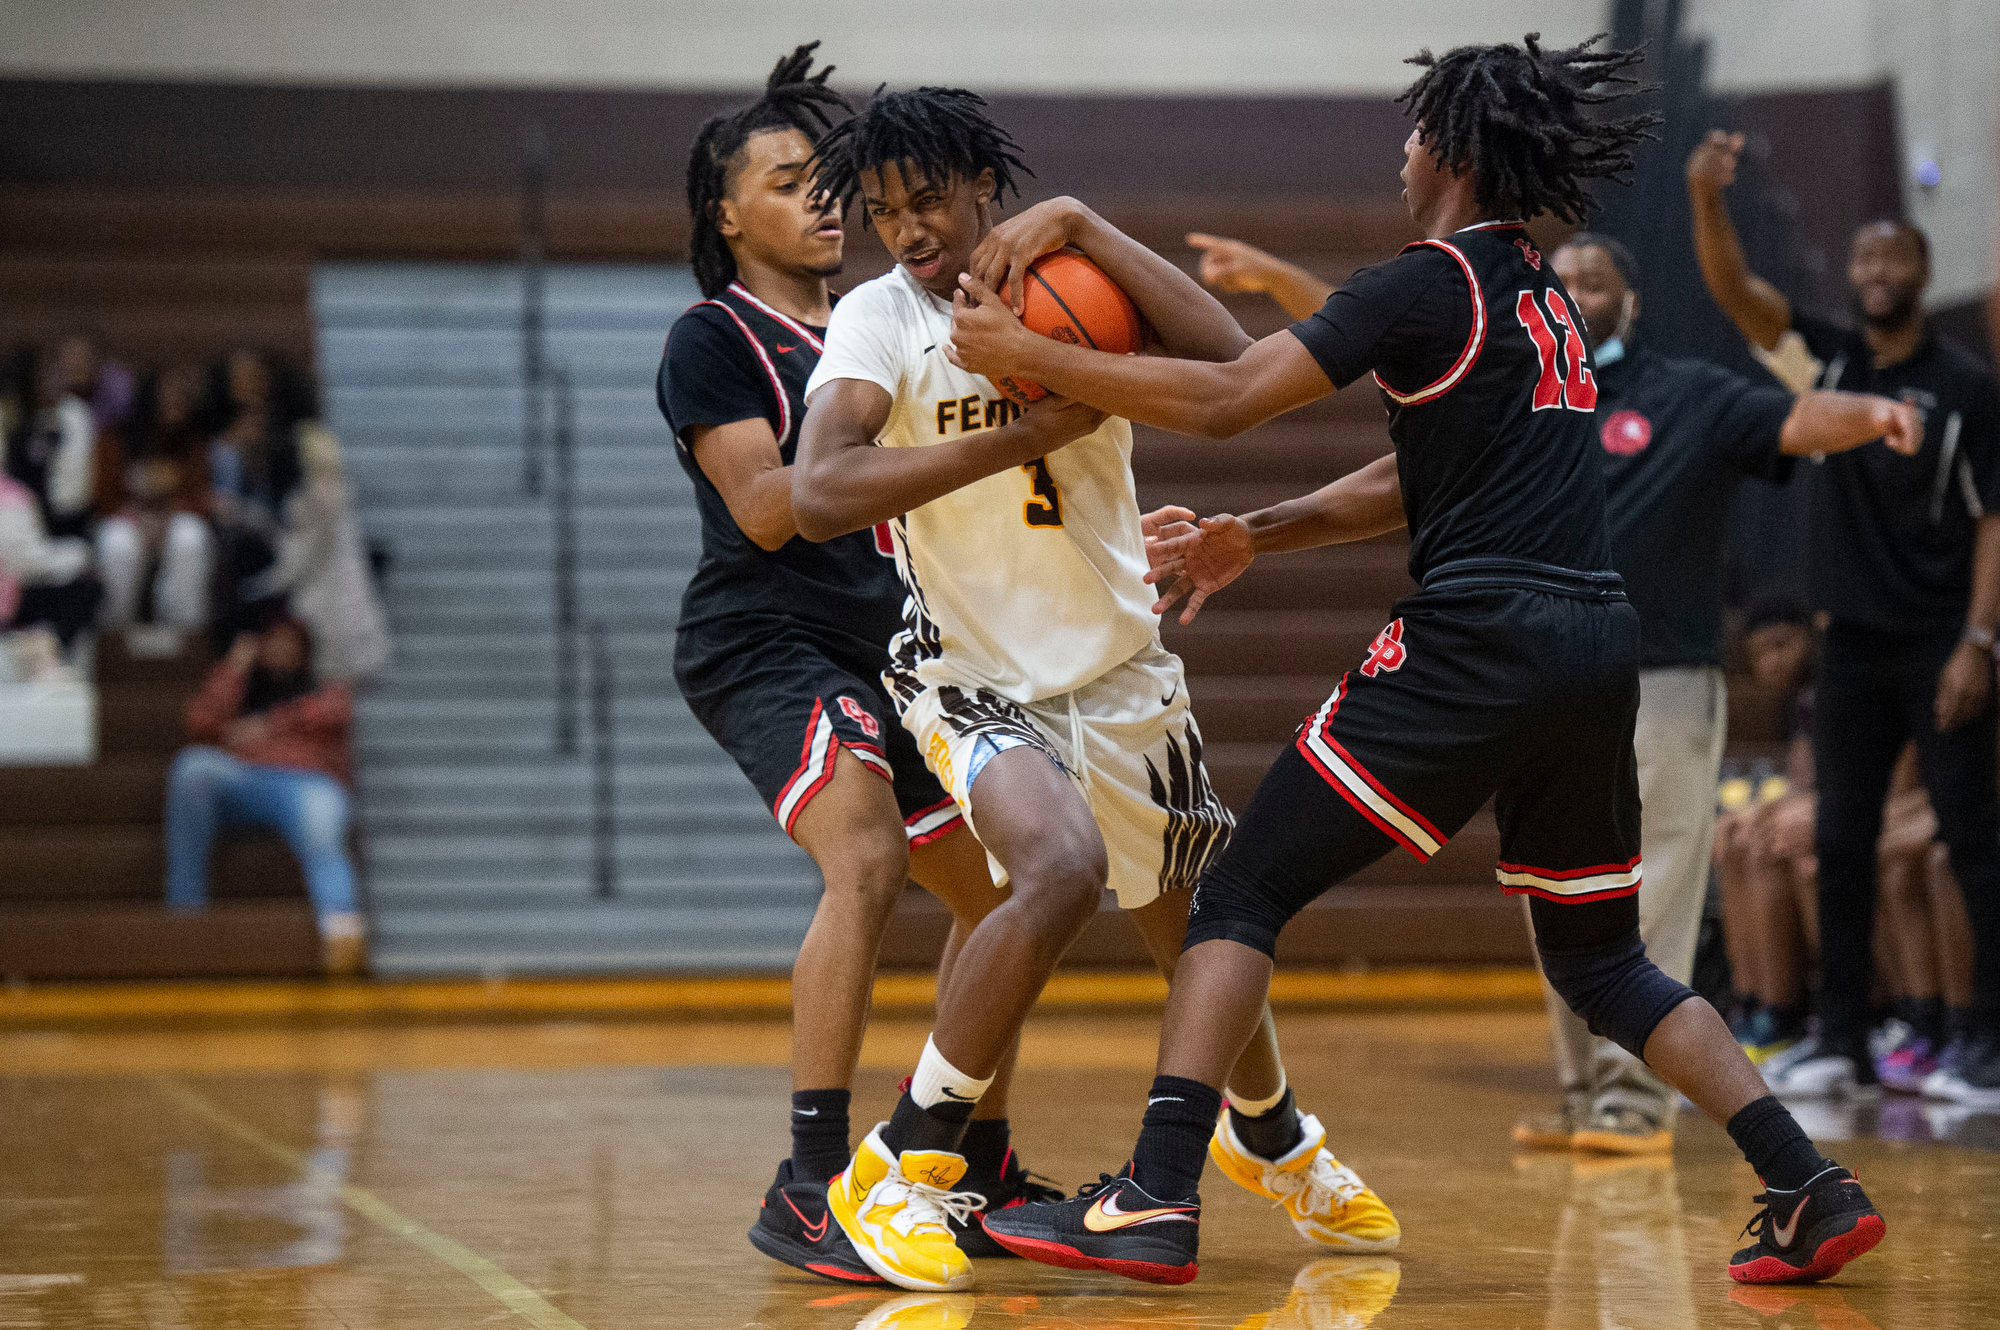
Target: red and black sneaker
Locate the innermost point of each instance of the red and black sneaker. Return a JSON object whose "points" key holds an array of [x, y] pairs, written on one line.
{"points": [[1110, 1224], [1808, 1234], [794, 1226], [1009, 1186]]}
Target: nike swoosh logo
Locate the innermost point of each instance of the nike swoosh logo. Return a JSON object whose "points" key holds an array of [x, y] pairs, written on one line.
{"points": [[1168, 699], [1166, 1099], [1106, 1217], [814, 1232], [805, 1112], [1784, 1232], [932, 347], [950, 1093], [782, 347]]}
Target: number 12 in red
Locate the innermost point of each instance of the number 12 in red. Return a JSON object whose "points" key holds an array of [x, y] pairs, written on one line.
{"points": [[1578, 389]]}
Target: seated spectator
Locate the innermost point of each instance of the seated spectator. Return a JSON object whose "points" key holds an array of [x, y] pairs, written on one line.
{"points": [[270, 750], [283, 522], [52, 444], [47, 593], [154, 551]]}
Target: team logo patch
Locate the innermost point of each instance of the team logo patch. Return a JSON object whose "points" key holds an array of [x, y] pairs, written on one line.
{"points": [[1529, 253], [1625, 433], [1386, 653], [859, 715]]}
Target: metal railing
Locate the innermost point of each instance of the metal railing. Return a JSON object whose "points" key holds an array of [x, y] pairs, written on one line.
{"points": [[563, 577], [604, 765], [534, 301]]}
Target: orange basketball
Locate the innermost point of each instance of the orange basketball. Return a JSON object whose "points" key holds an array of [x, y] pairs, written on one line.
{"points": [[1070, 299]]}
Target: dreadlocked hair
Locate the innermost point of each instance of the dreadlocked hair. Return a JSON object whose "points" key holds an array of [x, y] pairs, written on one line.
{"points": [[938, 133], [794, 98], [1516, 117]]}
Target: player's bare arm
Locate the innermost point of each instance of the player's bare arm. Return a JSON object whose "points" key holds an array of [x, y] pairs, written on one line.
{"points": [[1199, 561], [1232, 265], [1965, 687], [742, 461], [1212, 401], [842, 482], [1752, 304], [1833, 422], [1187, 321]]}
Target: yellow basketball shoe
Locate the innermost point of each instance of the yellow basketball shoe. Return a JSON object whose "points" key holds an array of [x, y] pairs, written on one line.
{"points": [[1328, 1202], [897, 1213]]}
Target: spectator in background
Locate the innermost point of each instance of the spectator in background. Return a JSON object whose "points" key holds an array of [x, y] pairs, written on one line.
{"points": [[48, 594], [271, 749], [154, 496], [284, 526], [52, 443]]}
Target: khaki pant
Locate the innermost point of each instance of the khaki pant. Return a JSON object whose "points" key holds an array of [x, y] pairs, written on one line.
{"points": [[1683, 721]]}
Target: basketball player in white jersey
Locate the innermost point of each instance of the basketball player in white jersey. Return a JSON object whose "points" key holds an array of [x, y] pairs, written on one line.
{"points": [[1030, 670]]}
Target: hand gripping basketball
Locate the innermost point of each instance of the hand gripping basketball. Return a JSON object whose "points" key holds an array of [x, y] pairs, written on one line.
{"points": [[1068, 298]]}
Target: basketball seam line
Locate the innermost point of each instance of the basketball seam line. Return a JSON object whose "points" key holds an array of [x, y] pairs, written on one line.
{"points": [[1075, 322]]}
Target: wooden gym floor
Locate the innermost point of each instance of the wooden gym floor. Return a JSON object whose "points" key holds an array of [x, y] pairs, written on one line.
{"points": [[599, 1172]]}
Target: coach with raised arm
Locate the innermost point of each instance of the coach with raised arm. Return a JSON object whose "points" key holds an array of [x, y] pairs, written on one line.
{"points": [[1905, 559], [1678, 436]]}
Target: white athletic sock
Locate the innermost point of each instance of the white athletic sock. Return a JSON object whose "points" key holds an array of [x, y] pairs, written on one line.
{"points": [[1257, 1108], [938, 1082]]}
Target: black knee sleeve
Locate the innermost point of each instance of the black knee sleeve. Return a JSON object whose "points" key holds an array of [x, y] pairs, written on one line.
{"points": [[1234, 907], [1621, 995]]}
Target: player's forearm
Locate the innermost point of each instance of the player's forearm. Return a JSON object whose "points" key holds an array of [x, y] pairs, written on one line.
{"points": [[763, 508], [1190, 323], [1756, 307], [1833, 422], [1195, 397], [854, 485], [1297, 291], [1362, 504]]}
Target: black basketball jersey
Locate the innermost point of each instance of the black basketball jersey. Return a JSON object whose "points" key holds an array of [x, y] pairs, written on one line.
{"points": [[1490, 390], [736, 358]]}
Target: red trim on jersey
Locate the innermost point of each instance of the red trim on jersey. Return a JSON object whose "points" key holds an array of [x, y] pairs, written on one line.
{"points": [[1489, 226], [1474, 342], [812, 339], [938, 832], [814, 767], [1569, 874], [1354, 800], [1320, 724], [777, 384]]}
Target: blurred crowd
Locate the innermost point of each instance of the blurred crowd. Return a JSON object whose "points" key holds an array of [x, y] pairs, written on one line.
{"points": [[188, 498]]}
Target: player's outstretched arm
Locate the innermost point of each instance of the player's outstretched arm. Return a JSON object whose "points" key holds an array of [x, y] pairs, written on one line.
{"points": [[1753, 304], [1232, 265], [1833, 422], [1213, 401], [1196, 563], [741, 459], [842, 482], [1190, 323]]}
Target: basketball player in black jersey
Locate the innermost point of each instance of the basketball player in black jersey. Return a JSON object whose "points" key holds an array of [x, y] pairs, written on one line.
{"points": [[781, 643], [1512, 673]]}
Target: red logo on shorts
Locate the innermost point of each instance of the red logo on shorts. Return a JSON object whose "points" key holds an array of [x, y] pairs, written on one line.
{"points": [[1625, 433], [859, 715], [1386, 653]]}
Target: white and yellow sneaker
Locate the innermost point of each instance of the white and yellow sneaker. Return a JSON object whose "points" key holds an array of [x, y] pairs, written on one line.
{"points": [[1328, 1202], [922, 1311], [1334, 1293], [897, 1213]]}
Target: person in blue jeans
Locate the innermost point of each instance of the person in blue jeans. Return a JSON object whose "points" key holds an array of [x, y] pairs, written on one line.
{"points": [[271, 749]]}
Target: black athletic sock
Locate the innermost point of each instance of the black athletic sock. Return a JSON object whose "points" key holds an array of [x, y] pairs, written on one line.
{"points": [[819, 1134], [1271, 1134], [1173, 1138], [939, 1127], [1772, 1140], [985, 1146]]}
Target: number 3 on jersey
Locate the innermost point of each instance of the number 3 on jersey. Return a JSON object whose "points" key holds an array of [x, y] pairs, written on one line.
{"points": [[1045, 508], [1576, 390]]}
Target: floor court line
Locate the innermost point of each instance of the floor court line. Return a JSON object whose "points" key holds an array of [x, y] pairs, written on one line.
{"points": [[510, 1292]]}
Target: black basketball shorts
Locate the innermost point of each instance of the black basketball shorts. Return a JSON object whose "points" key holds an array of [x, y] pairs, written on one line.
{"points": [[1501, 679], [784, 701]]}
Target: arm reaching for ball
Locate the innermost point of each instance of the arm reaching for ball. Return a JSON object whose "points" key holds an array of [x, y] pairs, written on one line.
{"points": [[1197, 563]]}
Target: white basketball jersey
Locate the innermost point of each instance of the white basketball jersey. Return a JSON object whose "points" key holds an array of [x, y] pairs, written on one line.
{"points": [[1027, 583]]}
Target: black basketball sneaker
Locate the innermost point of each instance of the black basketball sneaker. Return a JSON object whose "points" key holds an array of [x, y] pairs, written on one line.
{"points": [[1009, 1186], [794, 1226], [1808, 1234], [1110, 1224]]}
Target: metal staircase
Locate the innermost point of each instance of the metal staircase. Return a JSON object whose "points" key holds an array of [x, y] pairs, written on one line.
{"points": [[479, 834]]}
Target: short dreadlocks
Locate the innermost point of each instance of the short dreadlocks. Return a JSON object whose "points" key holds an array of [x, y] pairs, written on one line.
{"points": [[1515, 117], [794, 98], [940, 133]]}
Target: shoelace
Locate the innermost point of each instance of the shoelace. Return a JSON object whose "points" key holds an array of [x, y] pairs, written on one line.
{"points": [[927, 1208], [1760, 1222], [1038, 1190], [1323, 1184]]}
